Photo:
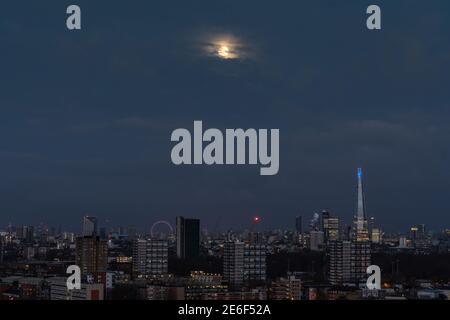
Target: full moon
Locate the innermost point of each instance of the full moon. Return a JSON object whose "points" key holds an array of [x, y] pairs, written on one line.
{"points": [[224, 52], [225, 46], [226, 49]]}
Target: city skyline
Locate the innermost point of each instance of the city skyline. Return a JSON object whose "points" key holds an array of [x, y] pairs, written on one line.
{"points": [[328, 263], [251, 265], [360, 220], [360, 214]]}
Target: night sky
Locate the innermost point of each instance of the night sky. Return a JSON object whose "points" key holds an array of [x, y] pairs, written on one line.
{"points": [[86, 116]]}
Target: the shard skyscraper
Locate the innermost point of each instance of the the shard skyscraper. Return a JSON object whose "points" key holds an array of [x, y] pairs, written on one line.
{"points": [[361, 222], [361, 246]]}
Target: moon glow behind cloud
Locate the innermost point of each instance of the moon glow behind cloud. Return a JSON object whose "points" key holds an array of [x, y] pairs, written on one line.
{"points": [[225, 47]]}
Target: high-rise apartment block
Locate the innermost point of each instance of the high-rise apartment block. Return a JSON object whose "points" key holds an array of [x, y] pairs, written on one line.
{"points": [[339, 262], [91, 255], [150, 257], [233, 263], [288, 288], [255, 263], [244, 263]]}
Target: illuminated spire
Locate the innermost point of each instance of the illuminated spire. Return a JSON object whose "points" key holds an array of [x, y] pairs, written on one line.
{"points": [[362, 232], [361, 210]]}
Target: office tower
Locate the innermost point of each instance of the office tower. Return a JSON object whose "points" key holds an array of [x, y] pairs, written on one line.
{"points": [[371, 226], [233, 263], [150, 257], [361, 246], [333, 231], [315, 223], [330, 226], [305, 241], [29, 234], [299, 224], [90, 226], [420, 239], [402, 242], [324, 219], [255, 262], [346, 232], [376, 236], [339, 262], [91, 255], [413, 233], [316, 240], [103, 233], [188, 238], [132, 232]]}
